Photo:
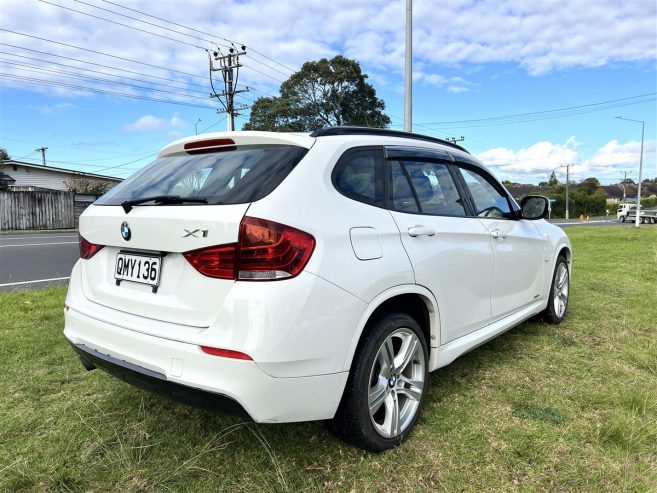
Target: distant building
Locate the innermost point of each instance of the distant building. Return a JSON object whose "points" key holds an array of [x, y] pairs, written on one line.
{"points": [[21, 176]]}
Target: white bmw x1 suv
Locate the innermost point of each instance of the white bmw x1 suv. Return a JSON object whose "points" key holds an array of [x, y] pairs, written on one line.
{"points": [[296, 277]]}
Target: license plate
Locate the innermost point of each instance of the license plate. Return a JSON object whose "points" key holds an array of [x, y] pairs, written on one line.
{"points": [[144, 269]]}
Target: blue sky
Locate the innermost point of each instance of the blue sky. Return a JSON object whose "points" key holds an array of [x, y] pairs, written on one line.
{"points": [[472, 60]]}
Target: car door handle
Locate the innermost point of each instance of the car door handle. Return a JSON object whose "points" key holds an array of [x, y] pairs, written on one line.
{"points": [[498, 234], [420, 230]]}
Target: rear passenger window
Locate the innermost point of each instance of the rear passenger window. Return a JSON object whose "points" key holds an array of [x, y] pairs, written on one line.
{"points": [[358, 175], [401, 195], [434, 187]]}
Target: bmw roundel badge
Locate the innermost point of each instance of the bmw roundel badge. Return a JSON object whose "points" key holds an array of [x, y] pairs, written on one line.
{"points": [[125, 231]]}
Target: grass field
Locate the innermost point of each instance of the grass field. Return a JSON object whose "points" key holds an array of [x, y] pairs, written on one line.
{"points": [[541, 408]]}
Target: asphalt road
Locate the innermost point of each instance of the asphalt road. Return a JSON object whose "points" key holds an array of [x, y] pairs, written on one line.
{"points": [[36, 260]]}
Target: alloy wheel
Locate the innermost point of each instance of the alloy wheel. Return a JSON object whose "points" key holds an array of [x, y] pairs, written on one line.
{"points": [[396, 383]]}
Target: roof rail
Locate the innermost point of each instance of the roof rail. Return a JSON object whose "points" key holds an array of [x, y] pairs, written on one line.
{"points": [[346, 130]]}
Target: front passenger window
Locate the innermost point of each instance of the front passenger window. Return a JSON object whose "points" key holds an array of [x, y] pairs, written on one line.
{"points": [[488, 201], [435, 189]]}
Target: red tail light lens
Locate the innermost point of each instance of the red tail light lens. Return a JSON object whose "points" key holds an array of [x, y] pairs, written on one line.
{"points": [[269, 251], [218, 261], [225, 353], [88, 250], [266, 251]]}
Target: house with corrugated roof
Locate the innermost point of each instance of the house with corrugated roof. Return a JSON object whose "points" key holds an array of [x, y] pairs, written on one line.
{"points": [[22, 176]]}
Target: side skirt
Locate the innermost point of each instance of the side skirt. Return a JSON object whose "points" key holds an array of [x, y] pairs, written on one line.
{"points": [[444, 355]]}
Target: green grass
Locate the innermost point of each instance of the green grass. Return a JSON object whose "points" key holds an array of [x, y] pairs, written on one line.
{"points": [[541, 408]]}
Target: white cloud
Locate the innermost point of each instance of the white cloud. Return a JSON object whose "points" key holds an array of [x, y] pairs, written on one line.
{"points": [[47, 109], [150, 123], [539, 36], [536, 162]]}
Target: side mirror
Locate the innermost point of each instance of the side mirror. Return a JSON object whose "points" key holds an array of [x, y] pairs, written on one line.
{"points": [[534, 207]]}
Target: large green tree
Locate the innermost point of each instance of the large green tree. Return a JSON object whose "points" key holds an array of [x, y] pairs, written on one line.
{"points": [[323, 93]]}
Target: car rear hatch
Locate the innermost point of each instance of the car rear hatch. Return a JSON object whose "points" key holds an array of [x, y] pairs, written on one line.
{"points": [[138, 258]]}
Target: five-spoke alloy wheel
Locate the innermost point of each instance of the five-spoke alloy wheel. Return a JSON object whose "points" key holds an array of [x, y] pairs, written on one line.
{"points": [[387, 384], [558, 301]]}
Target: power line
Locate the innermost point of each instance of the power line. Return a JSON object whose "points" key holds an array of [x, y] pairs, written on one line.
{"points": [[103, 54], [266, 75], [214, 124], [268, 66], [96, 72], [262, 92], [146, 22], [160, 27], [92, 63], [71, 163], [129, 162], [204, 33], [78, 60], [570, 111], [12, 77], [63, 73], [123, 25]]}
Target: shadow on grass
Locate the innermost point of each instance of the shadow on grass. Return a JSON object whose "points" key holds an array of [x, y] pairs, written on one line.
{"points": [[292, 439]]}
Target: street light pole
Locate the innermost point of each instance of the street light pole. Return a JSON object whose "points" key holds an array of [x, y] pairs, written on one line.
{"points": [[638, 193], [196, 127]]}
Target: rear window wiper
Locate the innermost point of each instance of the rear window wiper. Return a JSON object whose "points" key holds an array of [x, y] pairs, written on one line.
{"points": [[161, 199]]}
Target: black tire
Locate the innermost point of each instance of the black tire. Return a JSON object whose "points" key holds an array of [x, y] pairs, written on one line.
{"points": [[553, 314], [622, 219], [353, 422]]}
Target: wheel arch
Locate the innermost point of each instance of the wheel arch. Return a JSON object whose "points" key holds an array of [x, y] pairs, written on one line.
{"points": [[566, 251], [415, 300]]}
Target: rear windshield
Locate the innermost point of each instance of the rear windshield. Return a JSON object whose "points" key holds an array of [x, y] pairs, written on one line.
{"points": [[244, 175]]}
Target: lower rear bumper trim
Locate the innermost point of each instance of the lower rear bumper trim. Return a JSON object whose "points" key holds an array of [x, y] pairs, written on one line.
{"points": [[156, 382]]}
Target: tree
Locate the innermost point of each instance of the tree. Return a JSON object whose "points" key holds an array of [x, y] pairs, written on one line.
{"points": [[4, 156], [85, 185], [323, 93], [553, 179], [589, 185]]}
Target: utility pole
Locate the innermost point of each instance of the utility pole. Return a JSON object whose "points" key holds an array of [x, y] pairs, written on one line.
{"points": [[454, 140], [638, 192], [567, 166], [408, 69], [42, 150], [624, 182], [229, 66], [196, 127]]}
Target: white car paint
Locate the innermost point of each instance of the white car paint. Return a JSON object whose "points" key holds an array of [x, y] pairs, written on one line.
{"points": [[302, 332]]}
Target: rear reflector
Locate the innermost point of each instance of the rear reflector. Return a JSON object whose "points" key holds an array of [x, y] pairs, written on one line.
{"points": [[266, 251], [210, 145], [88, 250], [225, 353]]}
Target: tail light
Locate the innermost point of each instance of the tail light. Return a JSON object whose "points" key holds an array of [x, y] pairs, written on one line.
{"points": [[266, 251], [87, 249], [218, 261]]}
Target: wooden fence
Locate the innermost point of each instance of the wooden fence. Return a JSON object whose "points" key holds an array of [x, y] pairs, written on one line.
{"points": [[37, 210]]}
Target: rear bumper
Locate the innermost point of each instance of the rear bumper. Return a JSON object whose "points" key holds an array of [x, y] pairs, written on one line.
{"points": [[183, 372], [157, 382]]}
